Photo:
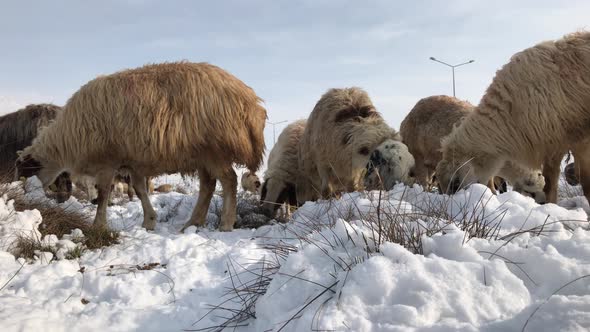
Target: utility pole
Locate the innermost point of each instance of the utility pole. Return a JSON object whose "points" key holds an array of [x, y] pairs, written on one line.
{"points": [[274, 134]]}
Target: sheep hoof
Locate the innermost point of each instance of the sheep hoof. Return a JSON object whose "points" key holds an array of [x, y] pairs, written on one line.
{"points": [[149, 227], [226, 228], [187, 225], [149, 224]]}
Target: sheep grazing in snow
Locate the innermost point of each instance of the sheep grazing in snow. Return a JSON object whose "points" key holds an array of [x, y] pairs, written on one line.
{"points": [[280, 178], [382, 172], [17, 131], [250, 182], [536, 109], [343, 134], [432, 119], [161, 118]]}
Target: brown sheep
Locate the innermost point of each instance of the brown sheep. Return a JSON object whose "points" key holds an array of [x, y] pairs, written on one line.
{"points": [[342, 132], [164, 188], [250, 182], [432, 119], [160, 118], [18, 129], [536, 109], [280, 185]]}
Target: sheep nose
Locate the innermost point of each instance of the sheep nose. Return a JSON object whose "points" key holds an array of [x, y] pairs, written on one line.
{"points": [[376, 158]]}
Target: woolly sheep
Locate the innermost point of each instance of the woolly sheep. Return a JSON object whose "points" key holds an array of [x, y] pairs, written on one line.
{"points": [[17, 131], [160, 118], [280, 185], [432, 119], [536, 109], [342, 133], [250, 182]]}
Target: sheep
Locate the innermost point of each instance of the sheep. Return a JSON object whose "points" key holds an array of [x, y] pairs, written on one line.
{"points": [[342, 133], [535, 110], [17, 131], [432, 119], [250, 182], [87, 185], [280, 178], [159, 118], [164, 188]]}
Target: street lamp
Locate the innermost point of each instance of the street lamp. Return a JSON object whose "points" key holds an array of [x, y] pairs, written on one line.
{"points": [[453, 68], [273, 129]]}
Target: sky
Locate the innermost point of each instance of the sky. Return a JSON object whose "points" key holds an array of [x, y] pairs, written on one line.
{"points": [[289, 52]]}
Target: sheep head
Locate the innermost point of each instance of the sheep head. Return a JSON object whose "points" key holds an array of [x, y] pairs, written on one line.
{"points": [[390, 162]]}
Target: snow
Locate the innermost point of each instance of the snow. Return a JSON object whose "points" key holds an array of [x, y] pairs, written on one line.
{"points": [[324, 270]]}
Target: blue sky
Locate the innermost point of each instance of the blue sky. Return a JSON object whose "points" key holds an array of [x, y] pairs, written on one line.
{"points": [[290, 52]]}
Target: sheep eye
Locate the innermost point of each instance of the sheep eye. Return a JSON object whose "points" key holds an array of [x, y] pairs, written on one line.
{"points": [[364, 151]]}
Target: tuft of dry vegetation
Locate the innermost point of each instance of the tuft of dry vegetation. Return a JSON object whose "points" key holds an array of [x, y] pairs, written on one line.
{"points": [[57, 220]]}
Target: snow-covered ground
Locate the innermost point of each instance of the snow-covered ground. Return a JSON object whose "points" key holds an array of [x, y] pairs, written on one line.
{"points": [[326, 269]]}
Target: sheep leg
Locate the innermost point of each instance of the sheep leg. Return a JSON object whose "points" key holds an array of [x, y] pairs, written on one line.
{"points": [[582, 168], [326, 189], [272, 201], [104, 179], [421, 174], [130, 191], [229, 182], [551, 172], [149, 184], [206, 189], [150, 217], [111, 195], [492, 186]]}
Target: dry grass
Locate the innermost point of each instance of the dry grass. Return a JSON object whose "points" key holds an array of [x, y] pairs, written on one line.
{"points": [[393, 223], [56, 220]]}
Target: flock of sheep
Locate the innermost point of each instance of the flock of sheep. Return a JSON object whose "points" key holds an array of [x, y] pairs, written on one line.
{"points": [[197, 118]]}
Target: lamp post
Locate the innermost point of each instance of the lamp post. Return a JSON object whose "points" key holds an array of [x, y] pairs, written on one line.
{"points": [[452, 68], [273, 129]]}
